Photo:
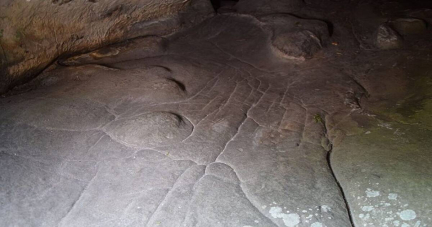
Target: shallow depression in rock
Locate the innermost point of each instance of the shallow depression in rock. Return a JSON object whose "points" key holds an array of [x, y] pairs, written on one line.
{"points": [[150, 129]]}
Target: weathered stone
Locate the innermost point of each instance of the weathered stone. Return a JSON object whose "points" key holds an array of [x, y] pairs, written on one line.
{"points": [[383, 170], [63, 114], [151, 129], [295, 38], [299, 45], [131, 49], [219, 129], [424, 14], [387, 38], [34, 33], [409, 26]]}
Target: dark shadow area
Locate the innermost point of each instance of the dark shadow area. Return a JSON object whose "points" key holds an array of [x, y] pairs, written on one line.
{"points": [[217, 4]]}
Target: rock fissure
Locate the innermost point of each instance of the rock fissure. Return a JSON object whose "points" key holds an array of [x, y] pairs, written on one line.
{"points": [[76, 202], [329, 163], [151, 218]]}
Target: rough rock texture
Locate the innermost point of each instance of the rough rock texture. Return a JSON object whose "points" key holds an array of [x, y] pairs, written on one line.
{"points": [[34, 33], [387, 38], [383, 160], [295, 38], [424, 14], [150, 129], [212, 126], [242, 148], [142, 47]]}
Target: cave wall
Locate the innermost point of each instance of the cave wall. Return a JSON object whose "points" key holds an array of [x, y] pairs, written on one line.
{"points": [[34, 33]]}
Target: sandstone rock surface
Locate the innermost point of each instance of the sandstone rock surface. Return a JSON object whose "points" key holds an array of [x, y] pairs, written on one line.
{"points": [[213, 126], [409, 26], [150, 129], [294, 38], [35, 33], [387, 38]]}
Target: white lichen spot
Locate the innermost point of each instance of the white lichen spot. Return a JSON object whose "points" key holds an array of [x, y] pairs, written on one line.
{"points": [[392, 196], [325, 208], [385, 125], [398, 132], [396, 223], [372, 193], [361, 216], [407, 215], [290, 220], [367, 208], [417, 224], [256, 221], [316, 224], [275, 210], [405, 225]]}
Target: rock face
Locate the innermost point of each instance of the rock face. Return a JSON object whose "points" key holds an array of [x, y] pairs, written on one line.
{"points": [[424, 14], [151, 129], [131, 49], [208, 132], [34, 33], [295, 38], [65, 114], [387, 38], [409, 26], [299, 45], [218, 126]]}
